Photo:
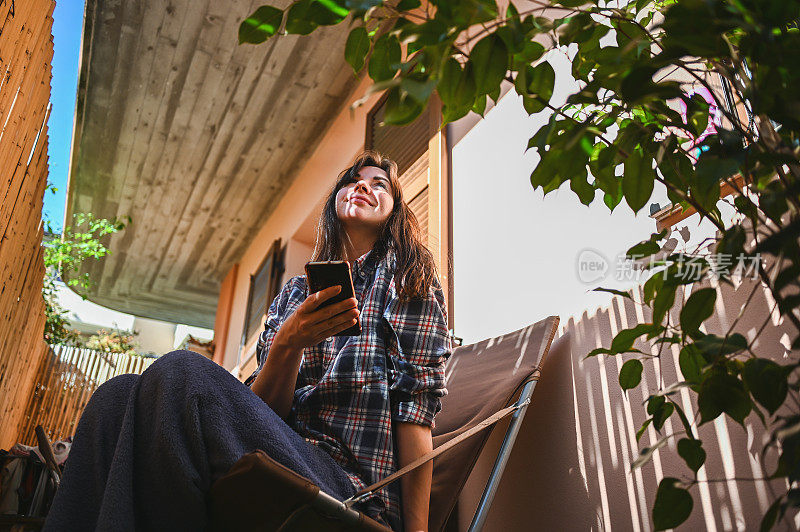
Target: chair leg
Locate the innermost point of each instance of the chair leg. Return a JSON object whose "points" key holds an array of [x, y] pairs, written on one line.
{"points": [[493, 483]]}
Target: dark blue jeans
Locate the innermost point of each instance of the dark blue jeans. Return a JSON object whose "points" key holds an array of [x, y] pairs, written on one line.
{"points": [[148, 447]]}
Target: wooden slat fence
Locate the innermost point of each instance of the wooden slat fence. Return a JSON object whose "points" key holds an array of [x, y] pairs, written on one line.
{"points": [[26, 51], [65, 382]]}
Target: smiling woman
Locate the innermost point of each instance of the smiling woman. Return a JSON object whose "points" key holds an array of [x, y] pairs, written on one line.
{"points": [[344, 412]]}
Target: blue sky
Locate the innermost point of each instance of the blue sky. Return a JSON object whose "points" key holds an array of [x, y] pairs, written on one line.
{"points": [[67, 28]]}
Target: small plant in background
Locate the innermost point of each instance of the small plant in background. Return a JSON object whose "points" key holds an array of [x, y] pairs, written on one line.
{"points": [[63, 256], [613, 139], [113, 342]]}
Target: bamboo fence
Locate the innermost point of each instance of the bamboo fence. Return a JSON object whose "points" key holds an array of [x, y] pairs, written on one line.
{"points": [[65, 382], [26, 51]]}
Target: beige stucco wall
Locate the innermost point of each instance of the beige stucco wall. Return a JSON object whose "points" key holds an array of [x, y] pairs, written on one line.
{"points": [[339, 145], [570, 467]]}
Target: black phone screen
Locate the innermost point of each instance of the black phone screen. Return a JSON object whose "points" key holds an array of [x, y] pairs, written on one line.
{"points": [[322, 275]]}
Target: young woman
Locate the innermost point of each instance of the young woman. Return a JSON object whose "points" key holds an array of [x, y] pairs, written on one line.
{"points": [[342, 411]]}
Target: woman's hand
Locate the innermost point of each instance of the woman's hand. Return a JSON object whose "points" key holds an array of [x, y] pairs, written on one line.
{"points": [[309, 324]]}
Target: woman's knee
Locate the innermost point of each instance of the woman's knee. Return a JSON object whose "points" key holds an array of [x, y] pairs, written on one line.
{"points": [[181, 369], [109, 400], [116, 389]]}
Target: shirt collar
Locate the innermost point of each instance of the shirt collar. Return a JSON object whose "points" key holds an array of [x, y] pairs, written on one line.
{"points": [[363, 265]]}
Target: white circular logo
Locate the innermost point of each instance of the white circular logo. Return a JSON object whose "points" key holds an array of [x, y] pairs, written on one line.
{"points": [[591, 266]]}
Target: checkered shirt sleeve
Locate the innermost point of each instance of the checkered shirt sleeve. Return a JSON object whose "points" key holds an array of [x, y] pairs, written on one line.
{"points": [[282, 306], [418, 346]]}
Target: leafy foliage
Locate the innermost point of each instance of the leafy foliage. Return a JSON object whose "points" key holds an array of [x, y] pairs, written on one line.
{"points": [[113, 342], [630, 126], [63, 257]]}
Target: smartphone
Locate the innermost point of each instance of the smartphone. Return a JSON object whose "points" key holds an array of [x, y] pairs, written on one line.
{"points": [[322, 275]]}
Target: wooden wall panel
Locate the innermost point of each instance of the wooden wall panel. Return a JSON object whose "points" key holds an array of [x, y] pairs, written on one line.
{"points": [[26, 51]]}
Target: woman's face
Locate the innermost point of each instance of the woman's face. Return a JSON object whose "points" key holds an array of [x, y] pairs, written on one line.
{"points": [[365, 201]]}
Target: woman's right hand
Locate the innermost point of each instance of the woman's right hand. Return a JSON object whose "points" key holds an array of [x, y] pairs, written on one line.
{"points": [[309, 325]]}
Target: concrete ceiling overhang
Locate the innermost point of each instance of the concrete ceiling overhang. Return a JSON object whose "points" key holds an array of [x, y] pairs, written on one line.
{"points": [[193, 136]]}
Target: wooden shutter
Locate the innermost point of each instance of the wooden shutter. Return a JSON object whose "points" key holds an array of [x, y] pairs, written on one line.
{"points": [[409, 147], [419, 150], [264, 286]]}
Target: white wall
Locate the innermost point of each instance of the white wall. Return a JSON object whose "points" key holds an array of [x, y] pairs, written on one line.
{"points": [[515, 252], [155, 336]]}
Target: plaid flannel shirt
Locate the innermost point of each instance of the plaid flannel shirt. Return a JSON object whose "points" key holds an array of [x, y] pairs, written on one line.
{"points": [[350, 389]]}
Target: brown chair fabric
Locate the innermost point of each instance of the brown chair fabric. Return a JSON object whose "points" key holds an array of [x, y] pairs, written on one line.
{"points": [[482, 378], [258, 493]]}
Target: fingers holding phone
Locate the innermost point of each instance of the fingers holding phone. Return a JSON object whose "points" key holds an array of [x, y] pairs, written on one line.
{"points": [[314, 321]]}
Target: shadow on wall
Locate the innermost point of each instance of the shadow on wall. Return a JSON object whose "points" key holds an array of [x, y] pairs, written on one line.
{"points": [[570, 468]]}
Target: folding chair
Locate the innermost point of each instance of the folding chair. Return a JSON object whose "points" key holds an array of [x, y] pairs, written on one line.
{"points": [[487, 381]]}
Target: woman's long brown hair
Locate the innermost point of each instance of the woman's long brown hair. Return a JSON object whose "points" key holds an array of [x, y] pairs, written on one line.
{"points": [[415, 272]]}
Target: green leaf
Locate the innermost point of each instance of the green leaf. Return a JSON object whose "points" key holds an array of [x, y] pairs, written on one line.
{"points": [[643, 428], [624, 339], [673, 504], [613, 291], [449, 78], [490, 60], [533, 82], [401, 108], [643, 249], [692, 453], [356, 48], [630, 375], [731, 245], [710, 171], [385, 58], [479, 106], [428, 33], [599, 351], [691, 362], [637, 181], [654, 404], [638, 83], [652, 285], [774, 513], [712, 346], [767, 381], [513, 38], [261, 25], [665, 298], [684, 420], [697, 110], [327, 12], [662, 415], [417, 89], [697, 309], [647, 247], [298, 18], [581, 187], [531, 52], [773, 202], [407, 5], [722, 392], [457, 89]]}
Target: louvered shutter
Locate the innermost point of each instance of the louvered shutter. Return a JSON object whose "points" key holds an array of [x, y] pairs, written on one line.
{"points": [[419, 150], [408, 147]]}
